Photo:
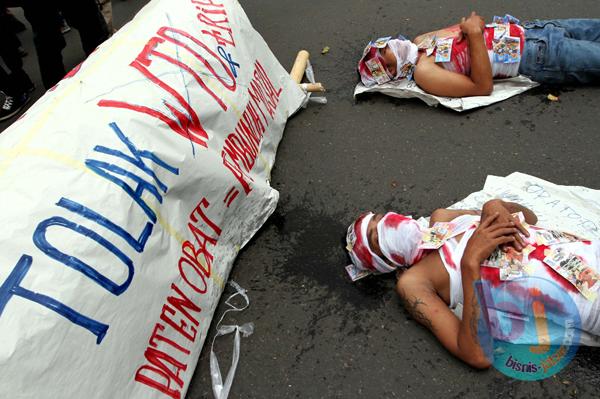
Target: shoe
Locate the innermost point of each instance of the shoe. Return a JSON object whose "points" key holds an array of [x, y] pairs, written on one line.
{"points": [[64, 28], [10, 106]]}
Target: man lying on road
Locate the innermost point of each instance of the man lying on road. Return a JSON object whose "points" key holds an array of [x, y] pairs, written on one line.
{"points": [[441, 272], [463, 60]]}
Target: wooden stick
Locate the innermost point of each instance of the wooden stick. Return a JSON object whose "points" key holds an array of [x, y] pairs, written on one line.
{"points": [[299, 66], [312, 87]]}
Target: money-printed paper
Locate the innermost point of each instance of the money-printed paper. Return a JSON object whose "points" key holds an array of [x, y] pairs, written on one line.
{"points": [[355, 273], [129, 189], [434, 237], [575, 270], [552, 237], [511, 263], [515, 265], [377, 70]]}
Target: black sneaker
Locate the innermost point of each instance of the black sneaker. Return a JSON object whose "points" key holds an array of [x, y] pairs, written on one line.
{"points": [[10, 106]]}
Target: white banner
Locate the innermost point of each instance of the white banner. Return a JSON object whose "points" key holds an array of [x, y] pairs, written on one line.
{"points": [[567, 208], [127, 192]]}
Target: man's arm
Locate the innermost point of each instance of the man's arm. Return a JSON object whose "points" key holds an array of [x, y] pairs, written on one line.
{"points": [[426, 307], [481, 68], [436, 80], [488, 236], [415, 287]]}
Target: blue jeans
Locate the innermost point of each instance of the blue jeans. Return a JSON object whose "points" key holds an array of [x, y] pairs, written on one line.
{"points": [[562, 51]]}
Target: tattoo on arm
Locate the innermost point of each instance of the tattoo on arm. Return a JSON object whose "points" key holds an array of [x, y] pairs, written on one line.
{"points": [[412, 306], [474, 317]]}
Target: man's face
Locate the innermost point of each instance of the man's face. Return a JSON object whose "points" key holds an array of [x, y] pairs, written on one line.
{"points": [[372, 234], [390, 62]]}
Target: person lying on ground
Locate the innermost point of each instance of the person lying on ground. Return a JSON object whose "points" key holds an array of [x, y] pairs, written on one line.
{"points": [[435, 280], [462, 60]]}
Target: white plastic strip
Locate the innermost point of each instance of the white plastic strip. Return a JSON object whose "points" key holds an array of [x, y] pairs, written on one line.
{"points": [[220, 390], [310, 75]]}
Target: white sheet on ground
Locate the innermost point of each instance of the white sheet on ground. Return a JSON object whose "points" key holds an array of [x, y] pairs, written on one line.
{"points": [[503, 89], [568, 208]]}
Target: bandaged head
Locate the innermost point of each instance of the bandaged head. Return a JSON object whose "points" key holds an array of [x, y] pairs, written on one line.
{"points": [[399, 238], [372, 66], [402, 236], [359, 250]]}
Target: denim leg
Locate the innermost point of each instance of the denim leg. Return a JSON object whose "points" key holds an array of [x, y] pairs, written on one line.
{"points": [[580, 29], [579, 60], [553, 56]]}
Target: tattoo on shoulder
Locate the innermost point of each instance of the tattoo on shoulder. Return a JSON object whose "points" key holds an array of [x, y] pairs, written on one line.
{"points": [[413, 305]]}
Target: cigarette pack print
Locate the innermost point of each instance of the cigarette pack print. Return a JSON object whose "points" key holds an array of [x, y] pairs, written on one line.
{"points": [[443, 50], [507, 49]]}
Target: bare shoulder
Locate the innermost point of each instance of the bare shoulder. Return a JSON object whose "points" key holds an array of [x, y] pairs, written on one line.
{"points": [[425, 59], [428, 274], [426, 69]]}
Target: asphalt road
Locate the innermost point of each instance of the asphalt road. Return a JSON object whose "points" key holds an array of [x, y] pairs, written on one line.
{"points": [[318, 335]]}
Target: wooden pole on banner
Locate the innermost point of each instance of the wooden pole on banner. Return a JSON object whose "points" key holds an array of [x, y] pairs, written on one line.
{"points": [[298, 70]]}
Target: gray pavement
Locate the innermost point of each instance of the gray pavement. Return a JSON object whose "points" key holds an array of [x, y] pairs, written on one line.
{"points": [[319, 336]]}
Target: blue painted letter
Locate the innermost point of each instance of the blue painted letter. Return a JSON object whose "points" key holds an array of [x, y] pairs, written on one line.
{"points": [[12, 287], [137, 244], [109, 171], [39, 239]]}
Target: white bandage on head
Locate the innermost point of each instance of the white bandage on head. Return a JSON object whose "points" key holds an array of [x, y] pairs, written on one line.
{"points": [[399, 238], [359, 250], [406, 53]]}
